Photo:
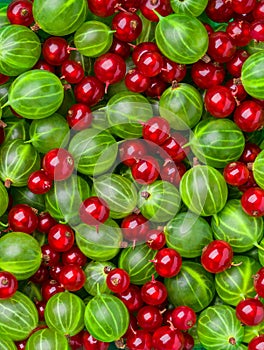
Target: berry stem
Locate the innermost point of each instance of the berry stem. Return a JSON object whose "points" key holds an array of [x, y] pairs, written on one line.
{"points": [[258, 246]]}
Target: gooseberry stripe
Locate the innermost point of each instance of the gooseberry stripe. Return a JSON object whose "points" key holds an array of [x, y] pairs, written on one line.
{"points": [[192, 8], [47, 339], [258, 169], [7, 344]]}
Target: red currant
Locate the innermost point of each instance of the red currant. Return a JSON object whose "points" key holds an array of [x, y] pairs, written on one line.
{"points": [[149, 318], [183, 317], [207, 74], [76, 341], [49, 255], [72, 71], [20, 12], [40, 305], [118, 280], [72, 277], [243, 6], [94, 211], [167, 338], [39, 182], [131, 297], [41, 275], [42, 64], [8, 285], [89, 91], [172, 147], [136, 81], [50, 288], [172, 71], [142, 48], [22, 218], [135, 228], [252, 201], [188, 342], [103, 8], [236, 173], [239, 31], [154, 292], [79, 116], [132, 150], [74, 256], [45, 222], [55, 50], [219, 10], [163, 7], [120, 48], [55, 271], [256, 343], [219, 101], [217, 256], [168, 262], [145, 171], [251, 150], [156, 87], [258, 11], [156, 239], [58, 164], [259, 282], [172, 172], [221, 47], [127, 26], [150, 64], [249, 116], [139, 340], [234, 66], [156, 130], [61, 237], [237, 89], [250, 311], [90, 343]]}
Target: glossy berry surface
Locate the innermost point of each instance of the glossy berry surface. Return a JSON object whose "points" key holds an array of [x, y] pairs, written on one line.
{"points": [[221, 47], [39, 182], [168, 262], [219, 101], [136, 81], [243, 6], [259, 282], [118, 280], [8, 285], [250, 311], [219, 10], [110, 68], [74, 256], [257, 343], [55, 50], [172, 172], [183, 318], [58, 163], [49, 255], [173, 149], [131, 297], [41, 275], [61, 237], [140, 340], [156, 239], [94, 211], [50, 288], [252, 201], [150, 64], [127, 26], [239, 31], [217, 256], [132, 150], [172, 71], [207, 74], [250, 152], [161, 6], [72, 71], [156, 129], [149, 318], [72, 277], [89, 91], [236, 173], [90, 343], [79, 116], [20, 12], [145, 171], [249, 116], [142, 48], [135, 228], [234, 66], [45, 222], [154, 293], [166, 338], [103, 8], [22, 218]]}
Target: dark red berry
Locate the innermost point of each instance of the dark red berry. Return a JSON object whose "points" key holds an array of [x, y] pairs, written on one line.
{"points": [[132, 150], [103, 8], [41, 275], [172, 71], [145, 171], [89, 91], [118, 280], [131, 297], [217, 256], [207, 74], [142, 48], [154, 293], [243, 6], [72, 277], [168, 262], [127, 26], [135, 228], [221, 47], [22, 218], [49, 255], [42, 64], [94, 211], [258, 11], [139, 340], [58, 164], [149, 318], [3, 78], [239, 31], [237, 89], [136, 81], [259, 282], [20, 12], [163, 7], [188, 342], [219, 10], [156, 87], [55, 50], [167, 338], [173, 148], [156, 130], [79, 116], [249, 116], [76, 341], [50, 288], [8, 285], [236, 173], [61, 237], [156, 239], [250, 152], [40, 305], [257, 343], [183, 317], [120, 48], [45, 222], [250, 311], [55, 270], [90, 343], [172, 172], [252, 201], [150, 64], [39, 182], [219, 101], [72, 71], [74, 256], [234, 66]]}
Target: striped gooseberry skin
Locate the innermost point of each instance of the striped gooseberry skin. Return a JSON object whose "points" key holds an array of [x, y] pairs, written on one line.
{"points": [[18, 41], [203, 190], [7, 344], [93, 38], [94, 151], [36, 94], [96, 273], [18, 317], [141, 271], [234, 226], [106, 318], [217, 142], [191, 274], [64, 313], [19, 160], [189, 7], [252, 75], [119, 193], [181, 38], [213, 331], [258, 169], [235, 284], [4, 199], [59, 17], [45, 339], [20, 254], [64, 199], [182, 106]]}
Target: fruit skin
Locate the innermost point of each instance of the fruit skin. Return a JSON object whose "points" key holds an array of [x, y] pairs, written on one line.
{"points": [[106, 318], [18, 41], [218, 328], [60, 17], [191, 7], [20, 254], [95, 272], [203, 190], [252, 77], [18, 317], [4, 199], [7, 344], [258, 169], [64, 313], [217, 256], [181, 38], [191, 274], [47, 339]]}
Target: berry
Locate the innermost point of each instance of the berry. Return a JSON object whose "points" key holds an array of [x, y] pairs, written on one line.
{"points": [[55, 50], [131, 297], [120, 48], [20, 12], [90, 343], [136, 81], [221, 47], [172, 147], [142, 48], [167, 338], [72, 71], [154, 293], [45, 222], [219, 101], [61, 237], [237, 89], [207, 74], [259, 282], [156, 87], [172, 172], [161, 6], [79, 116], [236, 173], [172, 71], [103, 8], [127, 26], [39, 182], [76, 341], [156, 130], [139, 340], [249, 116], [243, 6], [55, 270], [150, 64], [145, 171], [22, 218], [8, 285], [217, 256], [239, 31], [149, 318], [256, 343], [183, 318], [94, 211], [40, 305], [252, 201], [219, 10], [50, 288], [74, 256], [41, 275], [49, 255], [188, 342], [234, 66], [251, 150], [132, 150], [118, 280], [72, 277], [250, 311], [156, 239], [58, 164], [135, 228], [168, 262], [89, 91]]}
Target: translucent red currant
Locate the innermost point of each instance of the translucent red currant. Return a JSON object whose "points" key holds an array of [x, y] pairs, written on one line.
{"points": [[58, 163], [39, 182], [94, 211], [250, 311], [145, 171], [61, 237], [72, 277], [168, 262], [90, 343], [127, 26], [139, 340], [154, 292], [89, 91], [118, 280], [183, 317], [257, 343], [219, 101], [249, 116], [22, 218], [20, 12], [252, 201], [55, 50], [259, 282], [132, 150], [131, 297], [236, 173], [167, 338], [221, 47], [72, 71], [156, 239], [74, 256], [8, 285], [149, 318], [217, 256], [79, 116], [45, 222]]}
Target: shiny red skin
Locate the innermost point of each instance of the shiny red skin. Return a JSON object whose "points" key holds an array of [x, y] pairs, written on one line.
{"points": [[118, 280], [172, 172], [257, 343], [166, 338], [243, 6], [89, 91], [221, 48], [140, 49], [74, 256], [55, 50], [236, 173], [45, 222], [20, 12], [156, 129], [217, 256], [22, 218], [259, 282], [156, 239], [219, 101], [252, 201], [79, 116], [149, 318], [183, 317], [72, 71], [135, 228], [234, 66], [94, 211], [120, 48], [110, 68], [72, 277], [41, 275], [58, 163], [145, 171], [39, 182], [237, 89], [136, 81], [50, 288], [250, 311], [207, 74], [140, 340], [250, 152], [127, 26], [249, 116], [219, 10], [103, 8], [172, 71], [239, 31], [8, 285], [154, 293], [168, 262], [132, 150], [90, 343], [131, 297], [61, 237], [49, 255], [163, 7], [150, 64]]}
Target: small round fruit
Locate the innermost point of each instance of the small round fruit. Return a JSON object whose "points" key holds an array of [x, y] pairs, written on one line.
{"points": [[8, 285], [217, 256], [250, 311]]}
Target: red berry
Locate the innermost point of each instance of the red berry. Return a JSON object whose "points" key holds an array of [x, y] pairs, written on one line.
{"points": [[150, 64], [49, 255], [72, 71], [135, 228], [40, 305], [136, 81], [20, 12], [132, 327], [74, 256], [252, 201], [145, 171], [219, 10], [243, 6], [39, 182], [236, 173], [79, 116], [156, 130], [251, 150], [239, 31], [130, 5], [188, 342], [89, 91], [127, 26], [22, 218], [42, 64], [172, 147], [90, 343], [132, 150], [219, 101], [103, 8], [61, 237], [217, 256], [163, 7], [149, 318], [249, 116], [156, 239], [8, 285], [58, 163], [55, 270], [250, 311], [221, 48], [3, 78], [118, 280], [249, 184], [94, 211], [168, 262], [237, 89], [131, 297], [172, 172], [139, 340], [154, 292], [50, 288], [45, 222], [256, 343], [142, 48], [207, 74], [41, 275], [234, 66], [172, 71], [72, 277], [258, 11], [166, 338], [55, 50], [156, 87], [183, 318], [120, 48], [259, 282], [76, 341]]}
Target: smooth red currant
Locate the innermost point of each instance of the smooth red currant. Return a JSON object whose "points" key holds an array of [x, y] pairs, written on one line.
{"points": [[22, 218], [8, 285], [217, 256], [94, 211], [72, 277], [183, 317], [252, 201], [118, 280], [154, 292], [250, 311], [61, 237], [58, 164], [168, 262], [39, 182], [236, 173]]}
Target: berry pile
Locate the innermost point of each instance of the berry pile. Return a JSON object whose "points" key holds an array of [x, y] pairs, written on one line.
{"points": [[132, 174]]}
